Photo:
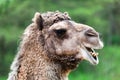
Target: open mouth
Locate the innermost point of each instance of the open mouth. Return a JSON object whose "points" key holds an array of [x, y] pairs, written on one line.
{"points": [[93, 56], [92, 52]]}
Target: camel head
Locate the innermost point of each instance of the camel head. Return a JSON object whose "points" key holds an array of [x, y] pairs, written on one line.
{"points": [[68, 42]]}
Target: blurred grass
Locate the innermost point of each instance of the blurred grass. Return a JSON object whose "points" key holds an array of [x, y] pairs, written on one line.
{"points": [[3, 78], [10, 33]]}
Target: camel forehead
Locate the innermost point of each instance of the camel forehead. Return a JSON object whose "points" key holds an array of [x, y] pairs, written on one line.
{"points": [[70, 24], [59, 25], [80, 27]]}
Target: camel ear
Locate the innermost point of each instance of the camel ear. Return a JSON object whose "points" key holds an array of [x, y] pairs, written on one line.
{"points": [[38, 20]]}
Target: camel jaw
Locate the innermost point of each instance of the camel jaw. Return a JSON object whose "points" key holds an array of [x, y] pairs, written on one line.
{"points": [[92, 56]]}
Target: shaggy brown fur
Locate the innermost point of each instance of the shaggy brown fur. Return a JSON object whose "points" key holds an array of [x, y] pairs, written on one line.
{"points": [[43, 54]]}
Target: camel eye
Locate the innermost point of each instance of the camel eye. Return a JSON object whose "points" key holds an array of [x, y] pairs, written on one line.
{"points": [[60, 32]]}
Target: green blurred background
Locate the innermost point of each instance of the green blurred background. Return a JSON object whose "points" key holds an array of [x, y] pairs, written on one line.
{"points": [[103, 15]]}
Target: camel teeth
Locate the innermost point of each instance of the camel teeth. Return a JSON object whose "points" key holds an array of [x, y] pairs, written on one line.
{"points": [[94, 54]]}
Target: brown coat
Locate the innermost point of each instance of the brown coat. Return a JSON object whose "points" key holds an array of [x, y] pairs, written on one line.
{"points": [[52, 46]]}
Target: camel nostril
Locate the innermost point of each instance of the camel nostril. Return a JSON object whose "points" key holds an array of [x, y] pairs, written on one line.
{"points": [[91, 33]]}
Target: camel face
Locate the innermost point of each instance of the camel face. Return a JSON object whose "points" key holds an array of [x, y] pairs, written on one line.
{"points": [[69, 38], [88, 40]]}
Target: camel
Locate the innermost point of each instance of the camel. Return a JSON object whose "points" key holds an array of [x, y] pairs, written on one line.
{"points": [[52, 46]]}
